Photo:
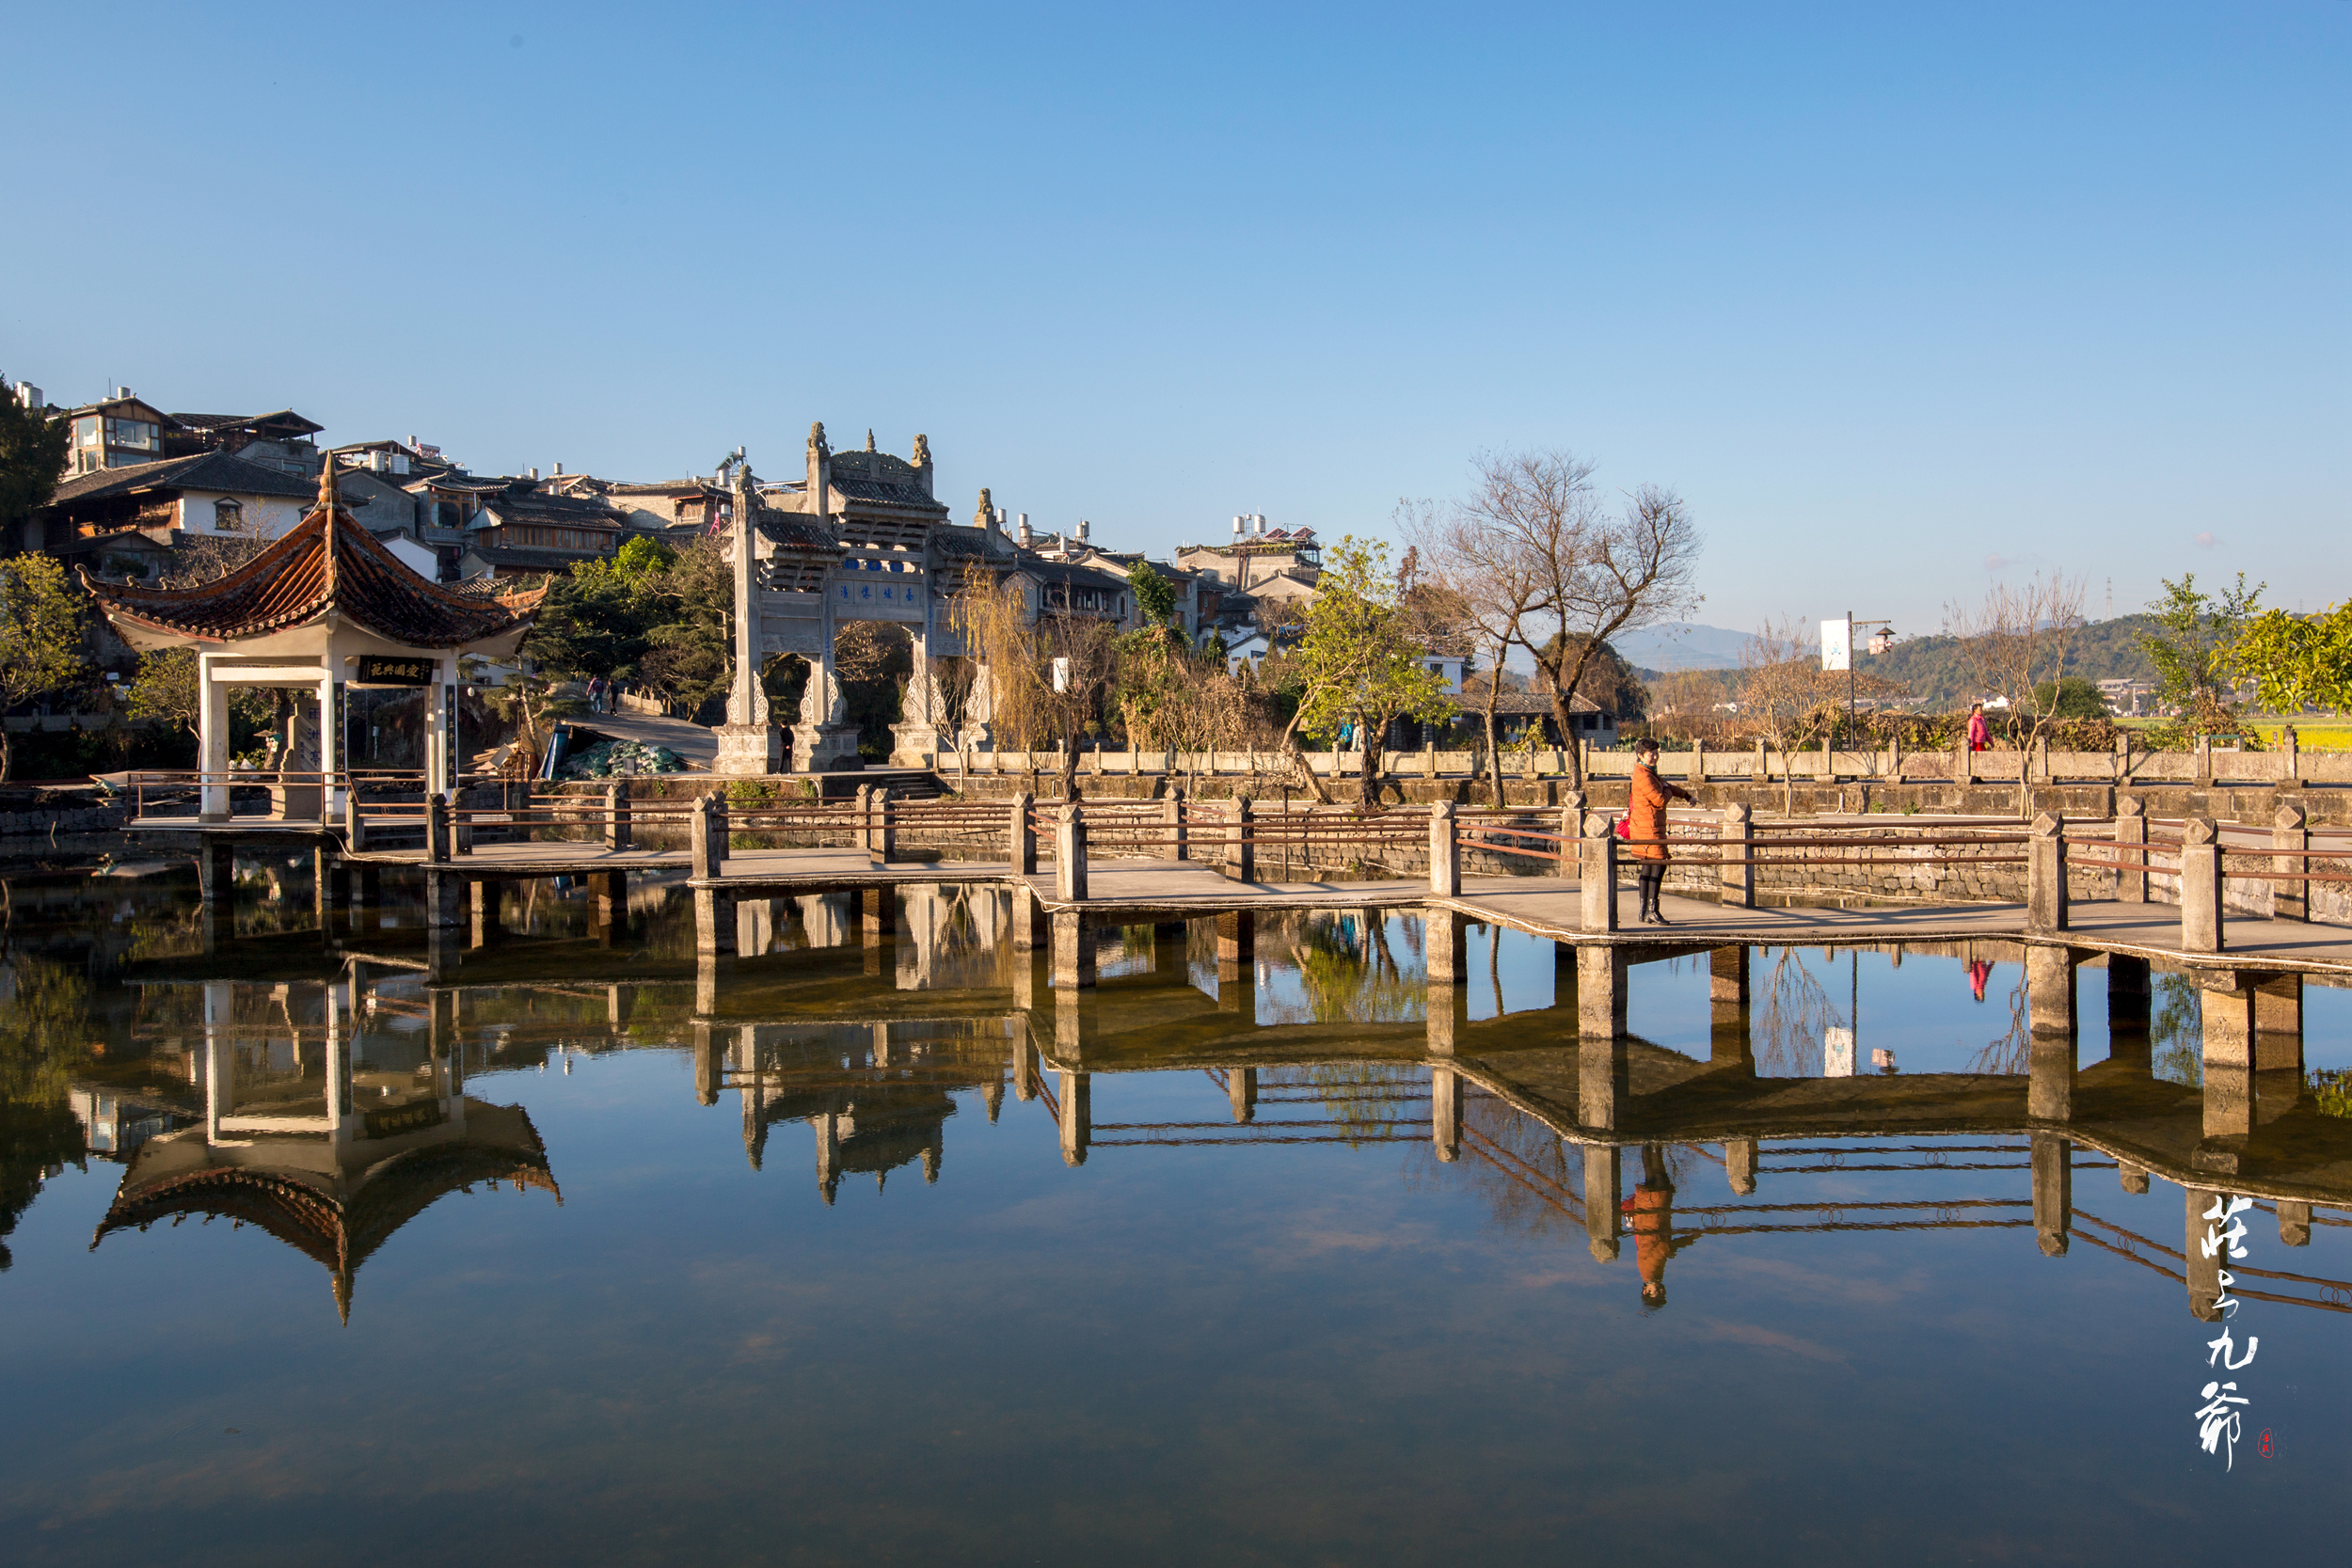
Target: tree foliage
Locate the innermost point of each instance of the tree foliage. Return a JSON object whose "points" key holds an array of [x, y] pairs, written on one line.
{"points": [[2296, 661], [2190, 645], [33, 449], [1155, 596], [1363, 660], [40, 634], [2015, 638]]}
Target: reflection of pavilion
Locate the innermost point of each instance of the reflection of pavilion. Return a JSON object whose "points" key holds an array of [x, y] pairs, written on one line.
{"points": [[329, 1160]]}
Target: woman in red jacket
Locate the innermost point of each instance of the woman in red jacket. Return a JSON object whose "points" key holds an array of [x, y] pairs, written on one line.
{"points": [[1649, 795]]}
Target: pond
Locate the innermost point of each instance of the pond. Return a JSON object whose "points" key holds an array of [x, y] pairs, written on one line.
{"points": [[866, 1244]]}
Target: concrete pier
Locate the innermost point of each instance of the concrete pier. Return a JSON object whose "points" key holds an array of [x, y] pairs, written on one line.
{"points": [[1074, 952]]}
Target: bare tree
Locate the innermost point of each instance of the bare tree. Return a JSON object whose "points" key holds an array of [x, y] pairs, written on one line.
{"points": [[2014, 640], [1780, 689], [1533, 524], [1491, 595]]}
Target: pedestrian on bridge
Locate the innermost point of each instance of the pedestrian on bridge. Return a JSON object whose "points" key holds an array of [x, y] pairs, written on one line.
{"points": [[1648, 822]]}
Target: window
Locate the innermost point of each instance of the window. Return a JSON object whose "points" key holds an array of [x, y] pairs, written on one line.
{"points": [[227, 515]]}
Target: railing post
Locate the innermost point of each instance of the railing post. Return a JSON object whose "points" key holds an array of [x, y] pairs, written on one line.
{"points": [[862, 834], [1173, 819], [1445, 852], [2290, 758], [354, 826], [2289, 830], [1021, 844], [2200, 886], [1571, 826], [2046, 875], [1733, 836], [1242, 865], [1070, 855], [1963, 763], [1599, 874], [617, 834], [883, 843], [707, 836], [436, 830], [2131, 848]]}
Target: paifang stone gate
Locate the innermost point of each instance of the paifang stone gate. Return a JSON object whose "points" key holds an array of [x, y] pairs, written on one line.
{"points": [[859, 538]]}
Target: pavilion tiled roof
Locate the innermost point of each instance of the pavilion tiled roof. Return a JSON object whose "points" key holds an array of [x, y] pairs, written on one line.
{"points": [[325, 565]]}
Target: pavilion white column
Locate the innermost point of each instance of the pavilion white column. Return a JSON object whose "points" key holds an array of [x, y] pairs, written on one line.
{"points": [[439, 737], [212, 743], [331, 739]]}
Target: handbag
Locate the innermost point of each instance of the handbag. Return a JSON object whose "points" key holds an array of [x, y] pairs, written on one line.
{"points": [[1625, 826]]}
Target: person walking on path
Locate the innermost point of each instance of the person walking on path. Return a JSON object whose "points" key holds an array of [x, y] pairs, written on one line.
{"points": [[1646, 827], [1979, 732]]}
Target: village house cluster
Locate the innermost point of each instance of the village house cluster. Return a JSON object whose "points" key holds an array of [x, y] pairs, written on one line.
{"points": [[143, 485]]}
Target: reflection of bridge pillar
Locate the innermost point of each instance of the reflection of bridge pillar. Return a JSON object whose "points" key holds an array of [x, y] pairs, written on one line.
{"points": [[1241, 1089], [2053, 1192], [1024, 1066], [1600, 991], [2127, 1011], [1171, 948], [371, 896], [711, 969], [2050, 991], [1077, 1116], [1600, 1080], [878, 911], [1442, 945], [1073, 951], [1445, 1113], [2204, 1274], [709, 1067], [1236, 939], [754, 927], [827, 1126], [2295, 1224], [2134, 1179], [1447, 1011], [220, 1069], [1601, 1182], [444, 949], [217, 870], [1073, 1026], [610, 901], [2229, 1071], [482, 897], [2050, 1086], [1727, 978], [744, 1055], [1740, 1165], [2278, 1024]]}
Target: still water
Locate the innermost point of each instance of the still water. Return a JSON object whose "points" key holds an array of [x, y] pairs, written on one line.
{"points": [[865, 1245]]}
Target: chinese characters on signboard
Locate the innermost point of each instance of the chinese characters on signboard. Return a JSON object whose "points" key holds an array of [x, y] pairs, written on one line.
{"points": [[377, 669], [2221, 1420]]}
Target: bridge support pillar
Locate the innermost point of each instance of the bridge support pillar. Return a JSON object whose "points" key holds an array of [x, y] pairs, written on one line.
{"points": [[484, 896], [1442, 945], [2053, 1192], [444, 899], [1445, 1113], [714, 920], [1171, 948], [2227, 1017], [1602, 1177], [1601, 1078], [217, 871], [609, 895], [2050, 991], [2278, 1024], [1031, 927], [1236, 938], [1727, 977], [1073, 951]]}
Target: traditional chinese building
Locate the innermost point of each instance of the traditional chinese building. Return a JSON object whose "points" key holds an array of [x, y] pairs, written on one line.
{"points": [[326, 608]]}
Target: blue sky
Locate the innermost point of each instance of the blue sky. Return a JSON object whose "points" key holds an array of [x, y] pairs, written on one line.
{"points": [[1898, 296]]}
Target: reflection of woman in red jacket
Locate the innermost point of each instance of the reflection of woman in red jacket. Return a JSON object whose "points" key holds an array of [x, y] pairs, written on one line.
{"points": [[1652, 1207]]}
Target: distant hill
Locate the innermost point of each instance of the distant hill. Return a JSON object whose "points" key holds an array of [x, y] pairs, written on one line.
{"points": [[1929, 667], [1682, 646]]}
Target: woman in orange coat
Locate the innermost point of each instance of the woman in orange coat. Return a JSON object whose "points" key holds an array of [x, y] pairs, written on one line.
{"points": [[1649, 795]]}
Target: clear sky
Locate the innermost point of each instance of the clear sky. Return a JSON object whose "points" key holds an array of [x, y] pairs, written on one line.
{"points": [[1897, 295]]}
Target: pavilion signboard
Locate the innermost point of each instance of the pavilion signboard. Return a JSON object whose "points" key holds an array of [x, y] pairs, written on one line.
{"points": [[376, 670]]}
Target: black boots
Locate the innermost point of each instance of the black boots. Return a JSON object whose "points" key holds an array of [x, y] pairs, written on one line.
{"points": [[1652, 884]]}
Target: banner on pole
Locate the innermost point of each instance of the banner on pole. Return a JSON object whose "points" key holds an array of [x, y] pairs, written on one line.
{"points": [[1838, 644]]}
